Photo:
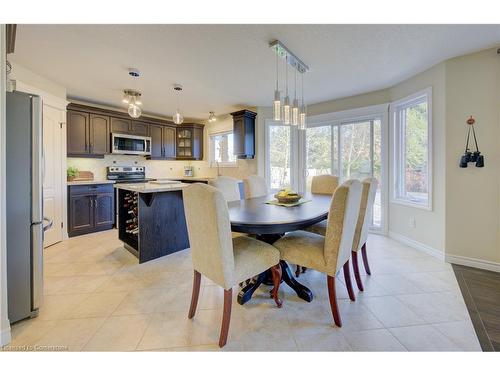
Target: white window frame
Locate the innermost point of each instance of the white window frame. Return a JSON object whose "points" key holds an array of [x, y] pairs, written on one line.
{"points": [[211, 154], [294, 159], [397, 149], [337, 119]]}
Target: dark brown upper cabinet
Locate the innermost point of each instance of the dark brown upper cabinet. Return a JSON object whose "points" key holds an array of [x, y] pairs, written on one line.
{"points": [[190, 142], [77, 133], [139, 128], [162, 142], [99, 134], [121, 126], [244, 134]]}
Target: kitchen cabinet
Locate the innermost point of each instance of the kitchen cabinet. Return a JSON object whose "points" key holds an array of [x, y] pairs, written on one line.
{"points": [[77, 133], [189, 142], [139, 128], [87, 134], [99, 135], [244, 134], [162, 142], [120, 125], [91, 208]]}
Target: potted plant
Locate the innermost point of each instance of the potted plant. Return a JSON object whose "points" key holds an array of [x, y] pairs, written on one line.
{"points": [[72, 173]]}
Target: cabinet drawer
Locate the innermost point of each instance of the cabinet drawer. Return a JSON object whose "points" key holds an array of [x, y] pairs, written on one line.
{"points": [[90, 189]]}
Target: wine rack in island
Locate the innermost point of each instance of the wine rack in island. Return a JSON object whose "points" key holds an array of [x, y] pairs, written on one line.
{"points": [[128, 217]]}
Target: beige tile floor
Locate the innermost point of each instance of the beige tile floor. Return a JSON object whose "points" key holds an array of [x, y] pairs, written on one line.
{"points": [[98, 298]]}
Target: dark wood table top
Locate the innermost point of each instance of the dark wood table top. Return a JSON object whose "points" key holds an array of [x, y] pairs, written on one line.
{"points": [[256, 217]]}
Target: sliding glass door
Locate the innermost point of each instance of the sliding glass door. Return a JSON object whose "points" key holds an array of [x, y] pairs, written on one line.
{"points": [[350, 145]]}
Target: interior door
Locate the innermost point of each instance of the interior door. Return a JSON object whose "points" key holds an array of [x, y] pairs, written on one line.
{"points": [[52, 180]]}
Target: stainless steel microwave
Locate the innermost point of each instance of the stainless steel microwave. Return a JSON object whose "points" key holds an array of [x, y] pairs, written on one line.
{"points": [[127, 144]]}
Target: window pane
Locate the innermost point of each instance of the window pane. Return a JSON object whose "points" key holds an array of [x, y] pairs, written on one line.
{"points": [[279, 156], [415, 153], [318, 152], [356, 155], [223, 148]]}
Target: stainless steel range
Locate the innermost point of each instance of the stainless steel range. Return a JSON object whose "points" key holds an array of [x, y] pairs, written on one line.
{"points": [[127, 174]]}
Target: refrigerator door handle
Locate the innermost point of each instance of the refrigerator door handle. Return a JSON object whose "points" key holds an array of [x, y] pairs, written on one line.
{"points": [[49, 221], [36, 160], [37, 266]]}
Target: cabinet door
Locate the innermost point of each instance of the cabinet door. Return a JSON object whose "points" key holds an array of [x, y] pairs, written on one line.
{"points": [[239, 136], [197, 143], [119, 125], [77, 135], [139, 128], [169, 142], [81, 212], [99, 134], [156, 133], [104, 210]]}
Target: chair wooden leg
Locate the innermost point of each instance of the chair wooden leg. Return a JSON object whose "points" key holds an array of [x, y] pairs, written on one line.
{"points": [[333, 300], [355, 266], [276, 274], [348, 284], [226, 317], [297, 271], [304, 269], [365, 259], [196, 294]]}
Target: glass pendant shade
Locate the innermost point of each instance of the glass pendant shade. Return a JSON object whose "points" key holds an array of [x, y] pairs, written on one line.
{"points": [[295, 112], [134, 111], [178, 118], [277, 105], [302, 117], [286, 111]]}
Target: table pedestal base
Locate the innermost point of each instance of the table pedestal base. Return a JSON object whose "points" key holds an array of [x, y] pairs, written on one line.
{"points": [[247, 291]]}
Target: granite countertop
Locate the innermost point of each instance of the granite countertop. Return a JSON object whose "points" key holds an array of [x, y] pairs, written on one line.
{"points": [[148, 187], [93, 182], [178, 178]]}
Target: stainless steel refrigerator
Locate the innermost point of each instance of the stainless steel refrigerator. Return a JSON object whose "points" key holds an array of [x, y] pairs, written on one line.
{"points": [[25, 220]]}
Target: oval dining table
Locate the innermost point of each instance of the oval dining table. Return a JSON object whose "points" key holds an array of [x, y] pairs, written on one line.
{"points": [[269, 223]]}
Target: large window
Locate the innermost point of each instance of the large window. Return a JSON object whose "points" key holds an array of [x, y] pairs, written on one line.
{"points": [[221, 149], [279, 167], [411, 118]]}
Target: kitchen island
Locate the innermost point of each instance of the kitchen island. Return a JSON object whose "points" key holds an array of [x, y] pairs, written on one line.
{"points": [[151, 221]]}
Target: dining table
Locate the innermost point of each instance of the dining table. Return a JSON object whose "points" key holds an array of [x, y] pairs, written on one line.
{"points": [[270, 222]]}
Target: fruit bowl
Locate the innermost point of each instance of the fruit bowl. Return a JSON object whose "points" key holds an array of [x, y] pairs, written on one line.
{"points": [[287, 196]]}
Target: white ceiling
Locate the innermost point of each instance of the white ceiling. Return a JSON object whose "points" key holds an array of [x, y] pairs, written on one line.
{"points": [[224, 67]]}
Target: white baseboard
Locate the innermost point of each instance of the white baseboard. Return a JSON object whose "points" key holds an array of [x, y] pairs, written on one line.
{"points": [[417, 245], [473, 262], [5, 337]]}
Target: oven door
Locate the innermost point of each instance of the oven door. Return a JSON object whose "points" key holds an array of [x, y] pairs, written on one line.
{"points": [[130, 144]]}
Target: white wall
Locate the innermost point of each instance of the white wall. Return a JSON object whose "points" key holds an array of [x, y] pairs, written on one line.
{"points": [[472, 194], [4, 320]]}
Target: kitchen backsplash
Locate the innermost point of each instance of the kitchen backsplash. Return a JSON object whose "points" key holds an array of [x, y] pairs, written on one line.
{"points": [[161, 168]]}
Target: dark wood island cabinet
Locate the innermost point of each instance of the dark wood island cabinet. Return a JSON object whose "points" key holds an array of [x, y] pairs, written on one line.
{"points": [[151, 221]]}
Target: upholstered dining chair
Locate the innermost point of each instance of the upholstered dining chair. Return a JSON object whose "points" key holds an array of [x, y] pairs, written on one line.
{"points": [[228, 186], [257, 186], [322, 184], [330, 253], [361, 234], [224, 260]]}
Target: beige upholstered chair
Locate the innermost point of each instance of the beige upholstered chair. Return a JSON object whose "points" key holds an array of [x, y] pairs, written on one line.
{"points": [[361, 234], [328, 253], [228, 186], [217, 256], [322, 184], [257, 186]]}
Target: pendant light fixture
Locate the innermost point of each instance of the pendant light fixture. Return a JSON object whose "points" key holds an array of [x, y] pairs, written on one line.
{"points": [[211, 117], [133, 99], [302, 114], [295, 114], [295, 107], [286, 104], [277, 95], [177, 117]]}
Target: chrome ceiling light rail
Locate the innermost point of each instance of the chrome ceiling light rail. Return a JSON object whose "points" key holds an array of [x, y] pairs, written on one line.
{"points": [[297, 117]]}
